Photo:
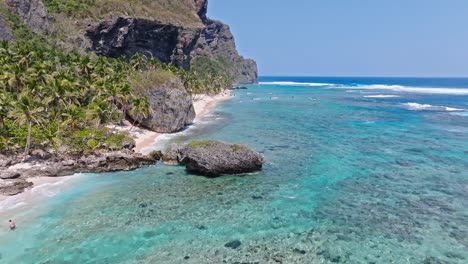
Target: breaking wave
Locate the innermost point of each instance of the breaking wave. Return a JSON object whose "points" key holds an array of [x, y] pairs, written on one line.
{"points": [[397, 88], [428, 107]]}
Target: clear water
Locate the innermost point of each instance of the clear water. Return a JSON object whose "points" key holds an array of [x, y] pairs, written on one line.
{"points": [[357, 172]]}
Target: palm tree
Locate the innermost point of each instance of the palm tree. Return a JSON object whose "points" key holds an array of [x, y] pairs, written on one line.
{"points": [[139, 110], [27, 112]]}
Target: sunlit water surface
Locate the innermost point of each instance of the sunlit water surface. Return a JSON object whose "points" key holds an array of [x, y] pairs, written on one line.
{"points": [[355, 173]]}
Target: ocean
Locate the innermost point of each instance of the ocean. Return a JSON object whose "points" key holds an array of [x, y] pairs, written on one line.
{"points": [[359, 170]]}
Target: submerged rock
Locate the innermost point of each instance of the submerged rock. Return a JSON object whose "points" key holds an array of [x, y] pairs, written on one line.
{"points": [[213, 158], [233, 244]]}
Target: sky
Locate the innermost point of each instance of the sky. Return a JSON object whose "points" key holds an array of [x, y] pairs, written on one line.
{"points": [[416, 38]]}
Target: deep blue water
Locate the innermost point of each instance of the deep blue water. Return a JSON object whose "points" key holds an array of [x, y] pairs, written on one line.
{"points": [[359, 170]]}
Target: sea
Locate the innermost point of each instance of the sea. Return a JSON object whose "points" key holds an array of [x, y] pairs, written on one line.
{"points": [[358, 170]]}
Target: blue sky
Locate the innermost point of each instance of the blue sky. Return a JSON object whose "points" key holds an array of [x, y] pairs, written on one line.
{"points": [[350, 37]]}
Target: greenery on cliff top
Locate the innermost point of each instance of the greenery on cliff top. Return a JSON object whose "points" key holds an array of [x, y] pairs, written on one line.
{"points": [[180, 12]]}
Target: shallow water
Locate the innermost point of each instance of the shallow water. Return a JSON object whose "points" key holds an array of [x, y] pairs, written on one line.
{"points": [[349, 179]]}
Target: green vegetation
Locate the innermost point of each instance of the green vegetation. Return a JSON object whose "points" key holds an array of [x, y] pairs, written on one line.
{"points": [[198, 144], [180, 12], [215, 74], [48, 97], [237, 147], [63, 99]]}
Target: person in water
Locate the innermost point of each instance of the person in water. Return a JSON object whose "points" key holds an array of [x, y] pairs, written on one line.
{"points": [[12, 225]]}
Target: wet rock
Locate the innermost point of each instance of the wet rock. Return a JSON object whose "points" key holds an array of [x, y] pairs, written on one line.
{"points": [[257, 197], [213, 158], [233, 244]]}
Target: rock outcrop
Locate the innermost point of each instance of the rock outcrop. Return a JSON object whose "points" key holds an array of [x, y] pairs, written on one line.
{"points": [[213, 158], [129, 36], [14, 172], [171, 107], [5, 31], [32, 12], [126, 36]]}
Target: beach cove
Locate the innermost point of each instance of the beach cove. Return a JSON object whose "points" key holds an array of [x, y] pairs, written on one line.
{"points": [[353, 175]]}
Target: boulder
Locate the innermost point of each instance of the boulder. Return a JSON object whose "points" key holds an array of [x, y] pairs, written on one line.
{"points": [[171, 107], [9, 175], [32, 13], [5, 31], [213, 158], [40, 154]]}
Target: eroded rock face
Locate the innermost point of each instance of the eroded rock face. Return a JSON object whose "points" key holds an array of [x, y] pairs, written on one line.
{"points": [[171, 107], [127, 36], [5, 31], [216, 41], [214, 158], [32, 12], [202, 8]]}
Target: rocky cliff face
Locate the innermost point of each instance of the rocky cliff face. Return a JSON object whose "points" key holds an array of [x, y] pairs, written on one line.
{"points": [[32, 12], [5, 31], [171, 43], [171, 107]]}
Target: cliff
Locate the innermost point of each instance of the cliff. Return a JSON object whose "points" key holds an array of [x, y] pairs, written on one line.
{"points": [[174, 32], [172, 43]]}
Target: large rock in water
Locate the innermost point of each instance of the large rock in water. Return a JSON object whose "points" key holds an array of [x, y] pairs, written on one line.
{"points": [[169, 43], [213, 158], [32, 12], [171, 107], [5, 31]]}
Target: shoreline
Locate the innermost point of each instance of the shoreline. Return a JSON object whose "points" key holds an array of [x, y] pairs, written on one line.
{"points": [[144, 139]]}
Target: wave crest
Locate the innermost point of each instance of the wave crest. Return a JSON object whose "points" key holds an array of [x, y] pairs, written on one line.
{"points": [[428, 107]]}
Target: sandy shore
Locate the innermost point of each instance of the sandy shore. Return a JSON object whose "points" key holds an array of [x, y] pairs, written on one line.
{"points": [[29, 193], [144, 139], [203, 104]]}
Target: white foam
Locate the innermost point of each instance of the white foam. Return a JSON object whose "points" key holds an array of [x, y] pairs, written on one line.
{"points": [[408, 89], [465, 114], [397, 88], [297, 84], [428, 107], [381, 96]]}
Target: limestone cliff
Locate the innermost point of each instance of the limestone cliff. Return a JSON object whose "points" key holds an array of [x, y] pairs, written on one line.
{"points": [[171, 43]]}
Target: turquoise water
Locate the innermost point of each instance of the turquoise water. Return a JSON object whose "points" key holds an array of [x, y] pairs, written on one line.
{"points": [[357, 172]]}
